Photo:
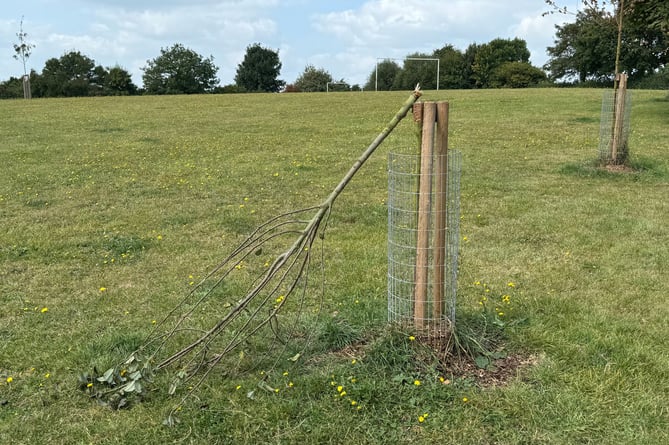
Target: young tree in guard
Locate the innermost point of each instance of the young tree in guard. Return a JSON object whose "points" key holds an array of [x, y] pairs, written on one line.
{"points": [[23, 50]]}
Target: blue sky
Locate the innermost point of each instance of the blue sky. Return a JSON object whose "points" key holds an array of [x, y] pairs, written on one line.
{"points": [[344, 37]]}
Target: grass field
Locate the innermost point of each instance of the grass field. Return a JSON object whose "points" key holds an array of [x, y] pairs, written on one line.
{"points": [[112, 207]]}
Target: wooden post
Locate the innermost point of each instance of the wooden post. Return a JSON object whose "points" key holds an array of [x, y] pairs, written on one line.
{"points": [[423, 234], [441, 205], [617, 143]]}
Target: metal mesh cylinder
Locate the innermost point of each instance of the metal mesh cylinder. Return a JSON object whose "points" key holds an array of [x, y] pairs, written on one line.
{"points": [[403, 178], [607, 127]]}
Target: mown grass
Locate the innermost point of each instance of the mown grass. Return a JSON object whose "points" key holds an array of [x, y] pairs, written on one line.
{"points": [[111, 207]]}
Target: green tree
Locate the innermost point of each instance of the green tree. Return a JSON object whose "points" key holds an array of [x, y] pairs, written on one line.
{"points": [[383, 76], [313, 79], [493, 54], [11, 88], [417, 71], [587, 48], [517, 75], [67, 76], [119, 82], [23, 49], [259, 71], [452, 67], [179, 70]]}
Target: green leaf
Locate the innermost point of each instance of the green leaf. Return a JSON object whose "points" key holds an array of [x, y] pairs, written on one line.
{"points": [[130, 387], [135, 375], [482, 361], [499, 355], [171, 420], [107, 377]]}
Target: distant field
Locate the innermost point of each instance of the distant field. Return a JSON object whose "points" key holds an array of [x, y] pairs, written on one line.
{"points": [[111, 207]]}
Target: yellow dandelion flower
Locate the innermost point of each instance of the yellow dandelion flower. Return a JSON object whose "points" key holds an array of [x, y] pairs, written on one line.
{"points": [[340, 388], [45, 309], [342, 394], [354, 361], [511, 284], [353, 403], [290, 384], [416, 382], [412, 338], [159, 237], [47, 375], [103, 289], [421, 419], [90, 385], [285, 373], [238, 387], [9, 379], [465, 399]]}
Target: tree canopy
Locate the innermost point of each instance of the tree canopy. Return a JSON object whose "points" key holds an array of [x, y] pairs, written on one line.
{"points": [[73, 74], [586, 49], [259, 71], [498, 63], [180, 70], [383, 76], [313, 79]]}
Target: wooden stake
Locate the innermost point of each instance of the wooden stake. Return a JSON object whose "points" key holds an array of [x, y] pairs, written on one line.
{"points": [[618, 118], [423, 234], [441, 205]]}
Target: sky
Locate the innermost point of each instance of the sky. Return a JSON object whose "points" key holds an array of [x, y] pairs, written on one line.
{"points": [[344, 37]]}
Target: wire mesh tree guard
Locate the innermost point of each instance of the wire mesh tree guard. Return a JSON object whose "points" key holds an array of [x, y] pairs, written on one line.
{"points": [[423, 227], [615, 124]]}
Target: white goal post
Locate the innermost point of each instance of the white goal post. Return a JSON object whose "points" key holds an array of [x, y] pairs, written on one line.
{"points": [[427, 59]]}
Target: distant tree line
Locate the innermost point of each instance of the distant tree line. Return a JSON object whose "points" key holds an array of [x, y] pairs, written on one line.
{"points": [[584, 53], [500, 63]]}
